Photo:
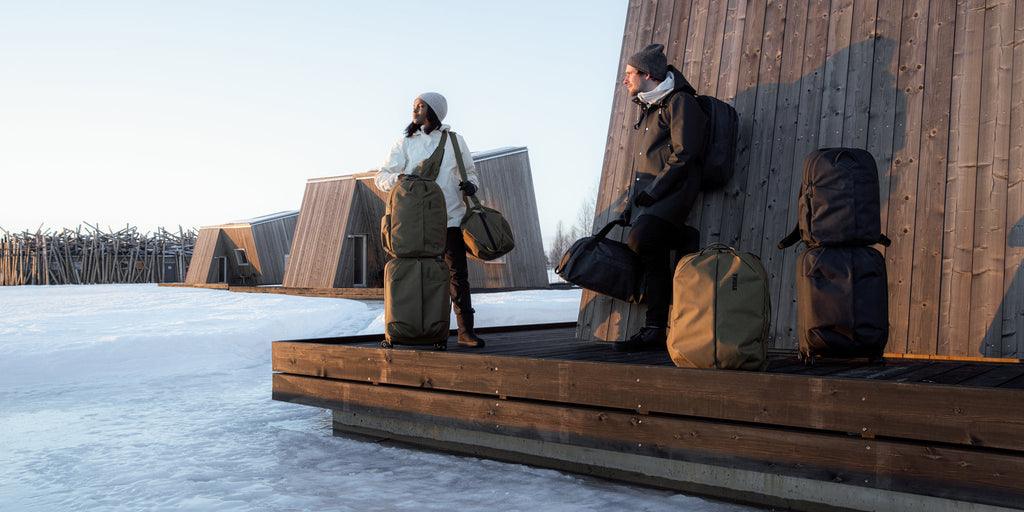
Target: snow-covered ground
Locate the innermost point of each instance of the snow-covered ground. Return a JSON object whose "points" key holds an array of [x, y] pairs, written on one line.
{"points": [[139, 397]]}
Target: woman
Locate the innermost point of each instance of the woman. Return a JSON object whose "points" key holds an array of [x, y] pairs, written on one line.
{"points": [[421, 139]]}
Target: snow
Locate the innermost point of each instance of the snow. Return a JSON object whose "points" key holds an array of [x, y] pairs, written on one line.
{"points": [[139, 397]]}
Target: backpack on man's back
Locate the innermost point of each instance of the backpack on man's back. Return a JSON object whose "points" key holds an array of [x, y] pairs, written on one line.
{"points": [[720, 148]]}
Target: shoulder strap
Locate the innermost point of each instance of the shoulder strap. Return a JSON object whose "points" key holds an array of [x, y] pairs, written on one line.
{"points": [[430, 172], [462, 171], [794, 236]]}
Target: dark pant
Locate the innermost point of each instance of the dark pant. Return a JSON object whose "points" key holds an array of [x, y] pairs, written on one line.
{"points": [[654, 239], [455, 257]]}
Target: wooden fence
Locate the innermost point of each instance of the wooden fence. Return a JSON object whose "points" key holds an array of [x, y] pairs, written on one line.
{"points": [[94, 257], [933, 89]]}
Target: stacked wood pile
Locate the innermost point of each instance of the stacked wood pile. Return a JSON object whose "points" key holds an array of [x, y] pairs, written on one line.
{"points": [[92, 256]]}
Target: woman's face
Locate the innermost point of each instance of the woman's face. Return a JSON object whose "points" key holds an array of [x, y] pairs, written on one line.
{"points": [[419, 112]]}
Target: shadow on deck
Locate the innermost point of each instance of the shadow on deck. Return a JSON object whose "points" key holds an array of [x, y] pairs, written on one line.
{"points": [[841, 435]]}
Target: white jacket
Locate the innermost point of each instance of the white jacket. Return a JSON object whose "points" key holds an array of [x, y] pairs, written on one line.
{"points": [[408, 152]]}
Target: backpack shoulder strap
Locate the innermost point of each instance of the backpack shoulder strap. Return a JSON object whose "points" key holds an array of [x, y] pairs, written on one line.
{"points": [[430, 167]]}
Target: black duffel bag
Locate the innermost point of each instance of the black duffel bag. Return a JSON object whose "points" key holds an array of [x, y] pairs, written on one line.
{"points": [[604, 266]]}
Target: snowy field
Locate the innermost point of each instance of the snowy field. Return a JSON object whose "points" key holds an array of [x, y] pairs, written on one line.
{"points": [[142, 398]]}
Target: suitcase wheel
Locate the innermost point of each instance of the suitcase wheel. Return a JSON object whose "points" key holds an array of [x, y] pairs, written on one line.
{"points": [[386, 344], [441, 345]]}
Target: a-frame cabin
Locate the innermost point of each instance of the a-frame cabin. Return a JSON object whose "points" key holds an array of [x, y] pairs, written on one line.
{"points": [[248, 252]]}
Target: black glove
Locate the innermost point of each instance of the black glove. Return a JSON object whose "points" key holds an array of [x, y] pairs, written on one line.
{"points": [[623, 219], [467, 187], [643, 199]]}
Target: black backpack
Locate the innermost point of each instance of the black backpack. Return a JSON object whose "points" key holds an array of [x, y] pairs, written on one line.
{"points": [[839, 200], [721, 135], [720, 148]]}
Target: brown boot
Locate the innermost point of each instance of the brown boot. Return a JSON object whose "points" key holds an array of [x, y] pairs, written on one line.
{"points": [[466, 335]]}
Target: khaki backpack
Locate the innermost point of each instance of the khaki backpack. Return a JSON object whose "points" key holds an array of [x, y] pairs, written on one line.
{"points": [[721, 311]]}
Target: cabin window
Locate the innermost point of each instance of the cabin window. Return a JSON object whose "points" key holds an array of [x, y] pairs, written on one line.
{"points": [[358, 260], [220, 263], [240, 258]]}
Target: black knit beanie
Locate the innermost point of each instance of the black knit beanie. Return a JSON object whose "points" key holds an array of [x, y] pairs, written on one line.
{"points": [[651, 60]]}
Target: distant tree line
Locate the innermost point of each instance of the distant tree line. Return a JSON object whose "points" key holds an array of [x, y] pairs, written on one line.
{"points": [[564, 237]]}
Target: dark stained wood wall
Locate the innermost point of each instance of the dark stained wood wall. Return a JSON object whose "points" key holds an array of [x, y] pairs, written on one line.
{"points": [[506, 184], [273, 240], [934, 89]]}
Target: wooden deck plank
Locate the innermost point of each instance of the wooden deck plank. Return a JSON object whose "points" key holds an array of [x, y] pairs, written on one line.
{"points": [[995, 376], [958, 415], [879, 463]]}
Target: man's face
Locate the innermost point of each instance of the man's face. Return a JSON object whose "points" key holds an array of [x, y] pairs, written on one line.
{"points": [[419, 112], [636, 81]]}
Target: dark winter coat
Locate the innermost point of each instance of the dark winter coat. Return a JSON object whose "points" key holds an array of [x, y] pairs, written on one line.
{"points": [[668, 149]]}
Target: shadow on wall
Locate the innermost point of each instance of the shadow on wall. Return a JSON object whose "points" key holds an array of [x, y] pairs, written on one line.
{"points": [[745, 196], [1001, 338]]}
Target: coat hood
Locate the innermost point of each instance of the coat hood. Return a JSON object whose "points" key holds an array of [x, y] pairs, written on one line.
{"points": [[674, 82]]}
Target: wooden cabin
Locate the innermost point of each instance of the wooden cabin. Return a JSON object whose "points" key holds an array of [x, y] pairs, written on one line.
{"points": [[337, 238], [934, 90], [249, 252]]}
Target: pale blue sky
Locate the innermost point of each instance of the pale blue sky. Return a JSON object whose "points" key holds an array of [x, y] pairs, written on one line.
{"points": [[194, 113]]}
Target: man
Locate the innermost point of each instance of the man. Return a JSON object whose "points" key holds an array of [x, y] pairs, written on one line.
{"points": [[668, 151]]}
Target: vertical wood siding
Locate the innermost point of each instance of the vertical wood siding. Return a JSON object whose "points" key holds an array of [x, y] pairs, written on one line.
{"points": [[200, 268], [320, 233], [932, 88]]}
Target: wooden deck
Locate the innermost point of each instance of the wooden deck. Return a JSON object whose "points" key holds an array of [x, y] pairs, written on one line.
{"points": [[912, 434], [332, 293]]}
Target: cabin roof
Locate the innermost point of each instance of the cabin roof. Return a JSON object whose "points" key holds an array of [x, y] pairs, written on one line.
{"points": [[258, 220], [478, 156]]}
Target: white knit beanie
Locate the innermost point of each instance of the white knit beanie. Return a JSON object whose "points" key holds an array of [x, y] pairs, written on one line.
{"points": [[436, 102]]}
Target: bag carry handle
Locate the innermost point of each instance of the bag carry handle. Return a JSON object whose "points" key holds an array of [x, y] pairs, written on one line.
{"points": [[718, 246], [463, 176], [794, 237], [603, 233], [476, 202]]}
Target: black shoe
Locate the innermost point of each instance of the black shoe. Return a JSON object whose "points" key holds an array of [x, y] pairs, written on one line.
{"points": [[648, 339], [470, 339]]}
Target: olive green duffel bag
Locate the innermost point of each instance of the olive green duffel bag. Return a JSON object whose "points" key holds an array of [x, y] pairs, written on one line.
{"points": [[415, 216], [488, 236], [417, 303]]}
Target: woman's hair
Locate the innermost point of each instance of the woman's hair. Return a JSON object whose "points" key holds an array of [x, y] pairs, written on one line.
{"points": [[435, 123]]}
